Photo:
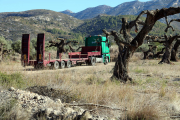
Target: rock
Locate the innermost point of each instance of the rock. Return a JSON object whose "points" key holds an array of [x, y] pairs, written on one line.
{"points": [[11, 89], [57, 112], [33, 106], [49, 111], [58, 101], [86, 116]]}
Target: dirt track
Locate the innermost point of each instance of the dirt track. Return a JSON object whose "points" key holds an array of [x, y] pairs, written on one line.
{"points": [[98, 67]]}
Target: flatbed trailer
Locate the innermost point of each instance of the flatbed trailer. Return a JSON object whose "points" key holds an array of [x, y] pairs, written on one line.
{"points": [[88, 55]]}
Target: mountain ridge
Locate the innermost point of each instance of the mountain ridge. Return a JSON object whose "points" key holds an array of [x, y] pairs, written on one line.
{"points": [[126, 8]]}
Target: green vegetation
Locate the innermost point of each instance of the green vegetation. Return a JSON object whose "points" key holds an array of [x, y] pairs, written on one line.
{"points": [[7, 44], [17, 46], [14, 79], [94, 26], [70, 36]]}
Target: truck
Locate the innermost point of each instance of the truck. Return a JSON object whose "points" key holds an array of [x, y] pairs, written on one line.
{"points": [[95, 50]]}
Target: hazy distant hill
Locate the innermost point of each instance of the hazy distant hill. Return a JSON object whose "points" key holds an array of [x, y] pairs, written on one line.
{"points": [[89, 12], [127, 8]]}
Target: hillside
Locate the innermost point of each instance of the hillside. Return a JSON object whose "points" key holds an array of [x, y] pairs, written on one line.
{"points": [[13, 25], [94, 26], [55, 24]]}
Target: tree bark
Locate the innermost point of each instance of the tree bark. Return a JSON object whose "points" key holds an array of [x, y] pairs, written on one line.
{"points": [[121, 66], [150, 52], [175, 51], [157, 55], [168, 48]]}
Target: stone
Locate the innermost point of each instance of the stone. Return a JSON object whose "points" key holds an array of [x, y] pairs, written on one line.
{"points": [[48, 111], [86, 116], [11, 89]]}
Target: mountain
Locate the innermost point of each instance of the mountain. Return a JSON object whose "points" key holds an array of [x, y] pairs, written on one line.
{"points": [[89, 12], [127, 8], [94, 26], [55, 24]]}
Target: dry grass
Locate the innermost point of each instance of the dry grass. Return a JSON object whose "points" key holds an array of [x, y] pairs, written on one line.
{"points": [[156, 86]]}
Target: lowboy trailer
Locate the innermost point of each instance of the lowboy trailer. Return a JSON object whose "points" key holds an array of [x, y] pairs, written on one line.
{"points": [[96, 49]]}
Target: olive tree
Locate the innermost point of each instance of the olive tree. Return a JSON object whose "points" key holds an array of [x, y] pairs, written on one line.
{"points": [[128, 44]]}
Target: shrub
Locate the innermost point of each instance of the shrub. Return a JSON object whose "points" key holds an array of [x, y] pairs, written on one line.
{"points": [[17, 46], [145, 112], [8, 80]]}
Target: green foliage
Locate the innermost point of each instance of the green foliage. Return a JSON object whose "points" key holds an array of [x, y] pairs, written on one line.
{"points": [[142, 48], [2, 40], [14, 79], [70, 36], [16, 46], [33, 45], [55, 31], [7, 44]]}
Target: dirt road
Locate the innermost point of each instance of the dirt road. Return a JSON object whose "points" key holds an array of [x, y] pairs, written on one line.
{"points": [[97, 67]]}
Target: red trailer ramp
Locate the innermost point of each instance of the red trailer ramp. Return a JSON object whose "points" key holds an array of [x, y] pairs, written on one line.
{"points": [[25, 49], [40, 50]]}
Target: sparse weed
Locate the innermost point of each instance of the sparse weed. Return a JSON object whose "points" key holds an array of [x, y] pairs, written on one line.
{"points": [[149, 80], [5, 110], [143, 113], [137, 70], [162, 91], [14, 79], [93, 80]]}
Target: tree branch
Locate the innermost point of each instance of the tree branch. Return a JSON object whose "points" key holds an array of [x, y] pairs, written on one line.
{"points": [[97, 105]]}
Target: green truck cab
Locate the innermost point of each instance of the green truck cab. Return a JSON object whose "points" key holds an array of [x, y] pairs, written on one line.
{"points": [[100, 41]]}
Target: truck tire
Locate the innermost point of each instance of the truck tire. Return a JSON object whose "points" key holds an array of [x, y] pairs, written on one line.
{"points": [[56, 65], [68, 64], [62, 65], [39, 67], [106, 61], [93, 61]]}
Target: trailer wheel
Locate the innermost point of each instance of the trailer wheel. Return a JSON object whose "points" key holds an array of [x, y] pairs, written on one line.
{"points": [[62, 64], [56, 65], [68, 64], [39, 67], [106, 61], [93, 61]]}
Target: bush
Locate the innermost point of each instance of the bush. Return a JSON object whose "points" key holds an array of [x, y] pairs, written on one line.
{"points": [[2, 40], [142, 48], [7, 44], [8, 80], [16, 46]]}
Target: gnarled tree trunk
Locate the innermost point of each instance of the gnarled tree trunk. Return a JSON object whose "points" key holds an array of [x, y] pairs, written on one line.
{"points": [[168, 48], [121, 65], [174, 51], [60, 45]]}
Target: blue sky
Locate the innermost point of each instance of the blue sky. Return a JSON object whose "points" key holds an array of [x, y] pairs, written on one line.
{"points": [[56, 5]]}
